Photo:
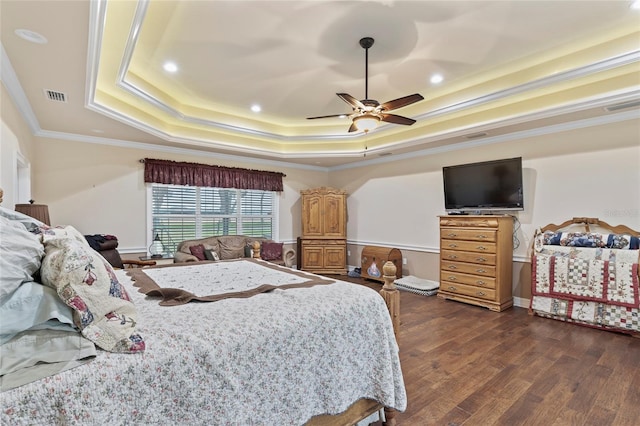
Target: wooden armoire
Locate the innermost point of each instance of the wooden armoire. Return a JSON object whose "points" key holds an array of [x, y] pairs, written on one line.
{"points": [[323, 243]]}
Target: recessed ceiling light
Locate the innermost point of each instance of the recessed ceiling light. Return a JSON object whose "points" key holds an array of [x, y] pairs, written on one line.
{"points": [[170, 67], [436, 79], [31, 36], [256, 108]]}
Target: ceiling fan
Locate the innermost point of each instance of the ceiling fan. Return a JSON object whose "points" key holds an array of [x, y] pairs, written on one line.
{"points": [[368, 113]]}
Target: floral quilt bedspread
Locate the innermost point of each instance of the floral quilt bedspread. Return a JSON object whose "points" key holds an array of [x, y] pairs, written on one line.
{"points": [[274, 358], [597, 287]]}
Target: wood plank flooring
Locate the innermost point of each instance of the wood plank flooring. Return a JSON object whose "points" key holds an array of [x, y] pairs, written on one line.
{"points": [[466, 365]]}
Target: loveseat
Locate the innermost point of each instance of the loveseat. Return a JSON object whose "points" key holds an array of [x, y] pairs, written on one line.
{"points": [[224, 247]]}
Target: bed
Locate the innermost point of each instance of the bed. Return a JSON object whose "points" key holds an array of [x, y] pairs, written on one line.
{"points": [[585, 271], [303, 349]]}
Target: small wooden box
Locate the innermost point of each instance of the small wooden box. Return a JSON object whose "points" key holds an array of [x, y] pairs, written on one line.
{"points": [[373, 258]]}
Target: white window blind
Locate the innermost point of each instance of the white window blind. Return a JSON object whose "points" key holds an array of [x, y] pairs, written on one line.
{"points": [[184, 212]]}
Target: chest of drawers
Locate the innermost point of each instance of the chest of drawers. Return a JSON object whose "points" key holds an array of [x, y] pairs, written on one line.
{"points": [[476, 260]]}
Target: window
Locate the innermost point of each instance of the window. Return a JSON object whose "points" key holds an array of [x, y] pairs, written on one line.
{"points": [[187, 212]]}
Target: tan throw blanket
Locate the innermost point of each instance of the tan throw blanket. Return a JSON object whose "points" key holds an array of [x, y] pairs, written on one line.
{"points": [[210, 281]]}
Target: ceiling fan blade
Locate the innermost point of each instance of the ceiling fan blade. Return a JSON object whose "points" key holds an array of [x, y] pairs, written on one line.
{"points": [[353, 128], [356, 104], [328, 116], [397, 119], [401, 102]]}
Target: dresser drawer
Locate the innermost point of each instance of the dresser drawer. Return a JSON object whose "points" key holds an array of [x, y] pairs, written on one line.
{"points": [[475, 246], [466, 268], [460, 256], [479, 281], [468, 290], [469, 234]]}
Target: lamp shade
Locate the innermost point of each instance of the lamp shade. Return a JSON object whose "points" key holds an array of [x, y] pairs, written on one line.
{"points": [[36, 211], [366, 122]]}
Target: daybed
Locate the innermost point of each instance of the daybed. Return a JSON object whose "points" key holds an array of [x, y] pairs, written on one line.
{"points": [[277, 346], [225, 247], [587, 276]]}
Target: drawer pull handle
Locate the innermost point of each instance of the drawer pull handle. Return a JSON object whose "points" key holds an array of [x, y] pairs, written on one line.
{"points": [[452, 278], [452, 235], [481, 236], [480, 282], [453, 256], [480, 293], [453, 267], [481, 248], [453, 245], [481, 259], [452, 288], [480, 271]]}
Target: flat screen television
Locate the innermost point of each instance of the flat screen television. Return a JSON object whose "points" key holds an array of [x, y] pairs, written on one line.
{"points": [[489, 185]]}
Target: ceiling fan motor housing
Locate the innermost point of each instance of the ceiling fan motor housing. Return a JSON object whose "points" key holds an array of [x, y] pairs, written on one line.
{"points": [[366, 42], [367, 113]]}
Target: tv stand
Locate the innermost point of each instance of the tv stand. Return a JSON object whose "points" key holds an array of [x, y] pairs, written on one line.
{"points": [[476, 256]]}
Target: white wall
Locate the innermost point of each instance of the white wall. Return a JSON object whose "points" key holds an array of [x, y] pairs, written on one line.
{"points": [[100, 189], [590, 172]]}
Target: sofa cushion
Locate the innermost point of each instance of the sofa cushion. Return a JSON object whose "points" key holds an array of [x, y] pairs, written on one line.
{"points": [[232, 246]]}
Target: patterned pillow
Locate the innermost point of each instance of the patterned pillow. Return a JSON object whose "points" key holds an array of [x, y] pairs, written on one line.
{"points": [[198, 251], [86, 282], [68, 231], [271, 251], [589, 239]]}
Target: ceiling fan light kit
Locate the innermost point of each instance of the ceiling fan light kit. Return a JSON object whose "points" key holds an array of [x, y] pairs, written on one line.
{"points": [[366, 122], [368, 113]]}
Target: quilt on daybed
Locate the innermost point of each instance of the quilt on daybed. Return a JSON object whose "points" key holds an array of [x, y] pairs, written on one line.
{"points": [[273, 358], [576, 278]]}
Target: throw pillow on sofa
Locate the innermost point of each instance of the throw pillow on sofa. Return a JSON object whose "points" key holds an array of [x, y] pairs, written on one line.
{"points": [[211, 255], [198, 251], [271, 251]]}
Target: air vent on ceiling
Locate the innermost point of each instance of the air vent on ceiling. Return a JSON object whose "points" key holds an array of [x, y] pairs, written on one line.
{"points": [[476, 135], [52, 95], [624, 105], [384, 154]]}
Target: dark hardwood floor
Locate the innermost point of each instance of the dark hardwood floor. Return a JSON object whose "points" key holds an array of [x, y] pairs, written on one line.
{"points": [[466, 365]]}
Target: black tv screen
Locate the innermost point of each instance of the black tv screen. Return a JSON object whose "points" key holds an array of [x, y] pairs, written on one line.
{"points": [[489, 185]]}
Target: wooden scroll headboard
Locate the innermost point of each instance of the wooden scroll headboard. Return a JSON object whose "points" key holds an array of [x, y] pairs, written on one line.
{"points": [[619, 229]]}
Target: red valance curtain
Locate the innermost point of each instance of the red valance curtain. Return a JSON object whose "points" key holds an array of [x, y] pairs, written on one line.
{"points": [[194, 174]]}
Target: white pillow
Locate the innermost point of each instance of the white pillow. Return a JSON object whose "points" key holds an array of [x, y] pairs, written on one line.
{"points": [[29, 222], [34, 306], [21, 254]]}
